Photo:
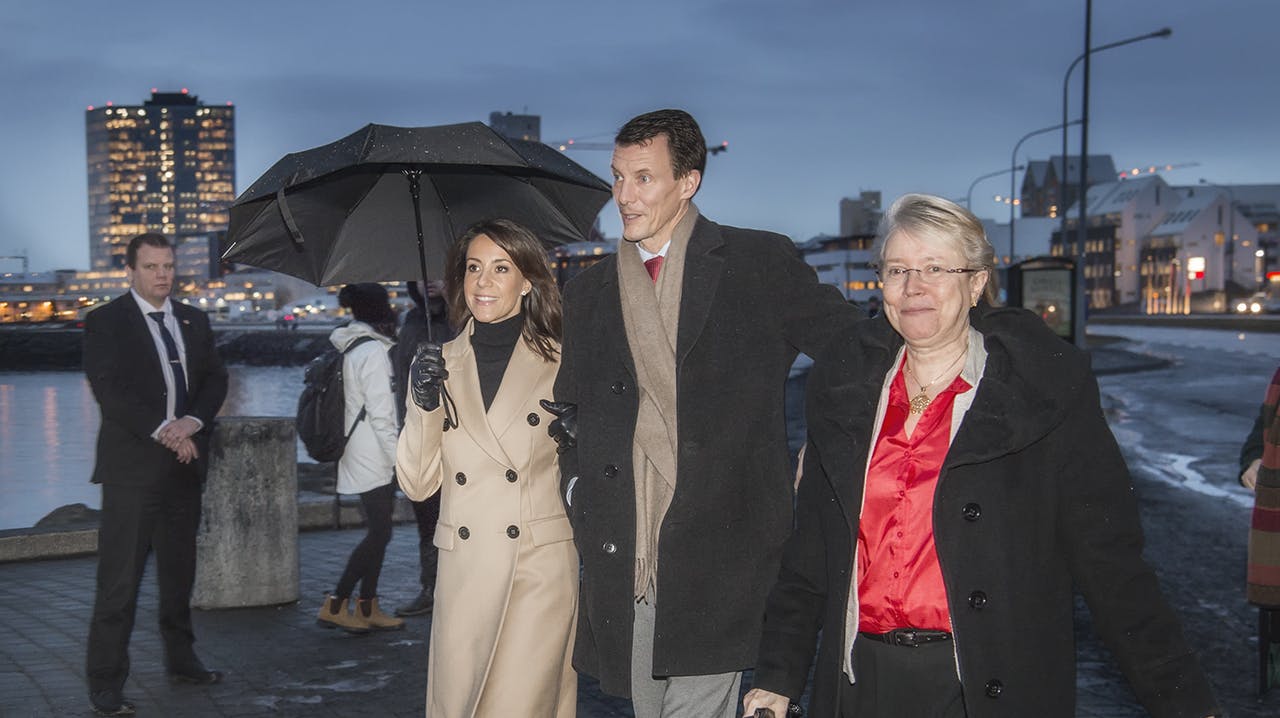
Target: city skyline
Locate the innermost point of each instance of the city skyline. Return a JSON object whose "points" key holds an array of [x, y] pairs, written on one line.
{"points": [[818, 100]]}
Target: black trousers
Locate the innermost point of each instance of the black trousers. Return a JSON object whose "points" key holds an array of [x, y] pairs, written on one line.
{"points": [[365, 562], [427, 514], [902, 682], [136, 521]]}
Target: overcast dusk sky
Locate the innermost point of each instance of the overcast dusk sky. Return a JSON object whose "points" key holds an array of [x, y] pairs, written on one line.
{"points": [[818, 99]]}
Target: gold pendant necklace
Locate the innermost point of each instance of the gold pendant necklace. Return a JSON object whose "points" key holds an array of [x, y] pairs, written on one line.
{"points": [[921, 401]]}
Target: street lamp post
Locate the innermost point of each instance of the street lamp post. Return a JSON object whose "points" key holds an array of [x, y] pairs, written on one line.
{"points": [[1081, 303], [1229, 252], [968, 196], [1066, 80], [1013, 174]]}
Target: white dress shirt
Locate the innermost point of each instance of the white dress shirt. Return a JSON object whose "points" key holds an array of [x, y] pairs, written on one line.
{"points": [[170, 323]]}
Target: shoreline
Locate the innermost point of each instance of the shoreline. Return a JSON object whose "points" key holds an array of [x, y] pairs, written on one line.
{"points": [[27, 348]]}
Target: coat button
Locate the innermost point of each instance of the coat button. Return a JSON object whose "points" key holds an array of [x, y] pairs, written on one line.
{"points": [[610, 471], [461, 478], [533, 419], [610, 547], [994, 688], [977, 600], [512, 476], [464, 533], [513, 531], [971, 512], [446, 425], [618, 387]]}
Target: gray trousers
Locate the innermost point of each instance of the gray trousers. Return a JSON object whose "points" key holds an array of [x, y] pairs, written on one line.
{"points": [[709, 696]]}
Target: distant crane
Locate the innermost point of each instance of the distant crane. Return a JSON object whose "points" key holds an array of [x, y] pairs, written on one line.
{"points": [[566, 145], [25, 262], [1152, 169]]}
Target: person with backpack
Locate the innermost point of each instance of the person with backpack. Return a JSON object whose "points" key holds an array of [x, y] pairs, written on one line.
{"points": [[367, 464], [506, 590]]}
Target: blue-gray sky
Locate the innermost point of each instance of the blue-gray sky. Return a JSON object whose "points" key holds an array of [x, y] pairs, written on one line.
{"points": [[818, 99]]}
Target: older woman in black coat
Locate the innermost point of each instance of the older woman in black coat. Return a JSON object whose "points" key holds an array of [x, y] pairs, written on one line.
{"points": [[958, 480]]}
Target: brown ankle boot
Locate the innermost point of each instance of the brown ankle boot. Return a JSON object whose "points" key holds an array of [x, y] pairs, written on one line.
{"points": [[334, 614], [367, 610]]}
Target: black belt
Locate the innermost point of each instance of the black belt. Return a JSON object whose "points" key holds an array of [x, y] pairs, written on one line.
{"points": [[910, 637]]}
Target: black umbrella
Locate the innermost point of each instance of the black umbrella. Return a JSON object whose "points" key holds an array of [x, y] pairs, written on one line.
{"points": [[385, 203]]}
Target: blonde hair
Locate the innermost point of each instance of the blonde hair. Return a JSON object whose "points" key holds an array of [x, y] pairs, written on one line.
{"points": [[931, 217]]}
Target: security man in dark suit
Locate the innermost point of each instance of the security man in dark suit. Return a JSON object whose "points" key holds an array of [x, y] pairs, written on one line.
{"points": [[159, 383]]}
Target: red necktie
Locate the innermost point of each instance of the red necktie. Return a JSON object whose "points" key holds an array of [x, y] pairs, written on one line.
{"points": [[654, 266]]}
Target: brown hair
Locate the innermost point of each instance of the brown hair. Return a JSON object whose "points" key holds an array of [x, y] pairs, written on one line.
{"points": [[151, 239], [540, 308], [684, 138]]}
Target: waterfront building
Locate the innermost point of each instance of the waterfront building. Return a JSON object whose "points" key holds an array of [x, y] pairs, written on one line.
{"points": [[38, 297], [167, 166], [1160, 248], [844, 262], [860, 216], [1042, 182], [520, 127]]}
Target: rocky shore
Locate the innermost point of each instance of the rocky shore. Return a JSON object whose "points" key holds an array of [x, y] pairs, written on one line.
{"points": [[34, 349]]}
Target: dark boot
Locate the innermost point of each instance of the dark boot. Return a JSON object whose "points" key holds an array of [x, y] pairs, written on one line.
{"points": [[419, 606]]}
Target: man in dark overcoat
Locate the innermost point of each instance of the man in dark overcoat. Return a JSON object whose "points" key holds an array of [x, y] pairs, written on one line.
{"points": [[676, 352], [159, 382]]}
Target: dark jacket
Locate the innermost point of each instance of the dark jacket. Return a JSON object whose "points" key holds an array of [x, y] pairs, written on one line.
{"points": [[1033, 495], [124, 372], [748, 303]]}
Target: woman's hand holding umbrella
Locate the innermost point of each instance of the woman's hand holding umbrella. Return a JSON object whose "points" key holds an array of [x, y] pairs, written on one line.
{"points": [[427, 375]]}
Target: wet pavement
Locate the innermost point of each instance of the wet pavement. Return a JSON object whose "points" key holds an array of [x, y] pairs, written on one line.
{"points": [[279, 663]]}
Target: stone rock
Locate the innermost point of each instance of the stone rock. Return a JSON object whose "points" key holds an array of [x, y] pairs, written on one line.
{"points": [[71, 516]]}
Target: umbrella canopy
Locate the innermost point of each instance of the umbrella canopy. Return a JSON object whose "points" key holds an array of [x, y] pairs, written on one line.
{"points": [[385, 203]]}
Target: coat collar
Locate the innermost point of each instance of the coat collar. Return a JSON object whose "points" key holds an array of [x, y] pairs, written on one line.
{"points": [[1029, 382], [519, 383], [703, 267]]}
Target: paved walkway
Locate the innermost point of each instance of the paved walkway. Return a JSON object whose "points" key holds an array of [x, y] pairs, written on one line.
{"points": [[277, 661]]}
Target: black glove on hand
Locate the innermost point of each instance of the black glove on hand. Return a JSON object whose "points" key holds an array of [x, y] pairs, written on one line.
{"points": [[565, 428], [427, 375]]}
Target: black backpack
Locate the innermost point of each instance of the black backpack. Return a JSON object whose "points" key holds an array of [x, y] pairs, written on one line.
{"points": [[321, 410]]}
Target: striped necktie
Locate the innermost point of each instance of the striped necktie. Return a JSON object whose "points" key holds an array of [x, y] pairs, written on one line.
{"points": [[175, 365], [654, 265]]}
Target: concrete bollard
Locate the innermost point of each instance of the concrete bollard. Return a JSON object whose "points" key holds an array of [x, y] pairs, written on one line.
{"points": [[247, 548]]}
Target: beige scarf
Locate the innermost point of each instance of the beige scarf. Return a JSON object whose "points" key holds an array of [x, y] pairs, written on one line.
{"points": [[651, 314]]}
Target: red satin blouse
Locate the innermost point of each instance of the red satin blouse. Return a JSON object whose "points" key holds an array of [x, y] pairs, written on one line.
{"points": [[899, 579]]}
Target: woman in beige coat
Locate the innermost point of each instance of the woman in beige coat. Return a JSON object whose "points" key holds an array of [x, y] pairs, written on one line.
{"points": [[507, 584]]}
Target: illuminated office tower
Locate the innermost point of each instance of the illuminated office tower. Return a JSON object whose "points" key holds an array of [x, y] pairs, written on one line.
{"points": [[168, 166]]}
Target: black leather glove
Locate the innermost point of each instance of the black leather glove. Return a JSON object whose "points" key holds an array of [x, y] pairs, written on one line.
{"points": [[427, 375], [565, 428]]}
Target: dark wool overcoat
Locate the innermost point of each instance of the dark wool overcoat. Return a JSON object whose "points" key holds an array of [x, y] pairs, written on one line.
{"points": [[1033, 495], [748, 303]]}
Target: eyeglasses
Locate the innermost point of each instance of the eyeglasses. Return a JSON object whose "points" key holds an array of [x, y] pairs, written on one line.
{"points": [[932, 274]]}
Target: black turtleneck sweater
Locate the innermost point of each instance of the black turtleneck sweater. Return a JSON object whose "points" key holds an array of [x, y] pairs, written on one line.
{"points": [[493, 344]]}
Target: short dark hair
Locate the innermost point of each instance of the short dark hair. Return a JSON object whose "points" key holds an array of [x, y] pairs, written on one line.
{"points": [[369, 303], [540, 307], [151, 239], [684, 138]]}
